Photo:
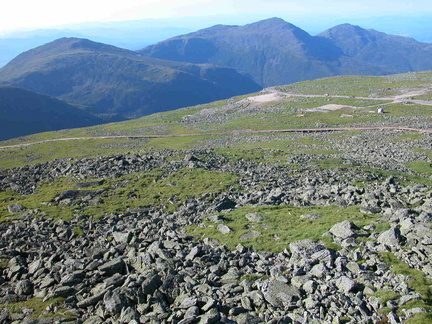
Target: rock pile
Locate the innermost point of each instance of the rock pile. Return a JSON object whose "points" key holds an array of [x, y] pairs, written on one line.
{"points": [[140, 266]]}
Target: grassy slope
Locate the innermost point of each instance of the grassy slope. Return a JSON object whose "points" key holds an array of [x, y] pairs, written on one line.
{"points": [[233, 114]]}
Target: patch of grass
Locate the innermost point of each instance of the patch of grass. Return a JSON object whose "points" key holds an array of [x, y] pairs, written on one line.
{"points": [[3, 263], [254, 277], [362, 86], [130, 191], [428, 152], [151, 189], [409, 137], [417, 280], [39, 307], [400, 178], [176, 143], [39, 153], [385, 295], [283, 224], [78, 231], [40, 200], [420, 318], [422, 167]]}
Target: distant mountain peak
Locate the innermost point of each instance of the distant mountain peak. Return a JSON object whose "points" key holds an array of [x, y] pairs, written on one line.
{"points": [[344, 29], [274, 23], [74, 43]]}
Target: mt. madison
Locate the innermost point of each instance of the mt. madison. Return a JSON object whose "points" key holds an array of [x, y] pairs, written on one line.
{"points": [[214, 63]]}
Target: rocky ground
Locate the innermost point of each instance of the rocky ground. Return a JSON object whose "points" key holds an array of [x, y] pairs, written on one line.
{"points": [[142, 266]]}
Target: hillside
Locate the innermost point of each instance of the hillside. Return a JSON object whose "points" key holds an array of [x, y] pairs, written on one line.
{"points": [[24, 112], [319, 192], [274, 52], [108, 80]]}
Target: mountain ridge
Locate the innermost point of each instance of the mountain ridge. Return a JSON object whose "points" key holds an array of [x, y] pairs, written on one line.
{"points": [[276, 52], [106, 79]]}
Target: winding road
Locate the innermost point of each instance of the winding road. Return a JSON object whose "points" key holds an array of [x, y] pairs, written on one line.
{"points": [[289, 130]]}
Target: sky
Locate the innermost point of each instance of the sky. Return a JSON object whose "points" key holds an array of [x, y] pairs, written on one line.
{"points": [[32, 14]]}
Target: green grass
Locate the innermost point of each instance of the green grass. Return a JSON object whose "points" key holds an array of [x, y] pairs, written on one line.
{"points": [[39, 153], [78, 231], [385, 295], [400, 178], [427, 152], [361, 86], [420, 318], [131, 191], [409, 137], [417, 281], [254, 277], [38, 306], [284, 223], [422, 167], [3, 263]]}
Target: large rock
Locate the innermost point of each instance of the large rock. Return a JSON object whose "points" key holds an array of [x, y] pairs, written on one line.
{"points": [[250, 235], [115, 301], [304, 249], [122, 237], [254, 217], [347, 285], [279, 294], [113, 266], [223, 229], [344, 230], [391, 237], [16, 208], [149, 286], [24, 287], [226, 203]]}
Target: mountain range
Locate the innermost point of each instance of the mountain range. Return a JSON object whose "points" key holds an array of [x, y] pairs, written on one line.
{"points": [[275, 52], [104, 79], [112, 83]]}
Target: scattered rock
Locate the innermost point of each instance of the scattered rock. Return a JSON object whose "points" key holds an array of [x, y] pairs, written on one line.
{"points": [[254, 217]]}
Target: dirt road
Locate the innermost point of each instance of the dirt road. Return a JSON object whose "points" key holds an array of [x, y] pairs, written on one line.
{"points": [[290, 130]]}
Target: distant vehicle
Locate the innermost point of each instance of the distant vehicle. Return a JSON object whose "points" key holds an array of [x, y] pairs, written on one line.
{"points": [[351, 97]]}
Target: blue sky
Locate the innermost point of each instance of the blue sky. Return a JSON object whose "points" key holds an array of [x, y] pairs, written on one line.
{"points": [[19, 14]]}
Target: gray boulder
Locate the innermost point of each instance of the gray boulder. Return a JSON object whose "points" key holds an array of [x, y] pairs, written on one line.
{"points": [[16, 208], [279, 294], [113, 266], [24, 287], [346, 284], [254, 217], [115, 301], [304, 249], [344, 230], [223, 229], [391, 237], [249, 235]]}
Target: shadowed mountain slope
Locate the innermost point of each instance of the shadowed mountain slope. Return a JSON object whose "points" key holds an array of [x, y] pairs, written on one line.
{"points": [[275, 52], [23, 112], [108, 80]]}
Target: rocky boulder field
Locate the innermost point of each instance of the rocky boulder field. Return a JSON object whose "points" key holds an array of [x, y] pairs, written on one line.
{"points": [[124, 239]]}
